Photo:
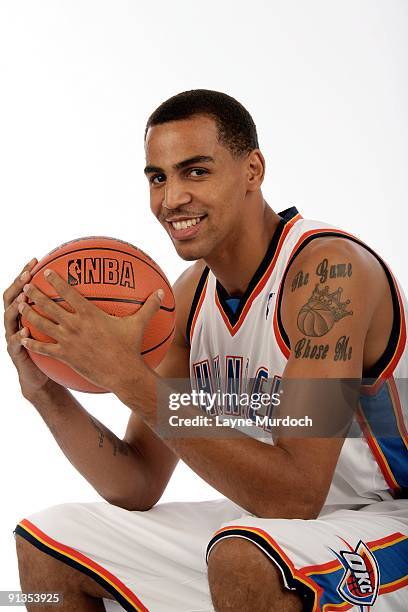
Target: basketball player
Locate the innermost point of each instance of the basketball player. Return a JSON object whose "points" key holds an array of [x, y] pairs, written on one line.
{"points": [[306, 523]]}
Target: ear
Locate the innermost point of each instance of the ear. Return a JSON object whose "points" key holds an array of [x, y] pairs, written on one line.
{"points": [[255, 169]]}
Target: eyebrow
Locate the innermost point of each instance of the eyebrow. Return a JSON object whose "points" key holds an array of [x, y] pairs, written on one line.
{"points": [[182, 164]]}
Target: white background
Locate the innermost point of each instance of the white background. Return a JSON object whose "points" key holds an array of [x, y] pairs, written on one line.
{"points": [[326, 82]]}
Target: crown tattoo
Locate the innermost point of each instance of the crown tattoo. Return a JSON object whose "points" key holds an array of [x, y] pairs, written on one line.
{"points": [[322, 299], [322, 310]]}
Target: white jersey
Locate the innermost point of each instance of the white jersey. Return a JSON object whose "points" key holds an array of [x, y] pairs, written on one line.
{"points": [[155, 560], [232, 348]]}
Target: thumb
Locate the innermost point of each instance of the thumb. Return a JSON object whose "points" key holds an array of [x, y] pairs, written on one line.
{"points": [[150, 307]]}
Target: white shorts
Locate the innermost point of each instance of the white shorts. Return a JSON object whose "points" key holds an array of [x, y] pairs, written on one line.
{"points": [[156, 560]]}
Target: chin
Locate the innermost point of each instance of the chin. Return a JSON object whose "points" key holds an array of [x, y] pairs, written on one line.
{"points": [[188, 255], [190, 252]]}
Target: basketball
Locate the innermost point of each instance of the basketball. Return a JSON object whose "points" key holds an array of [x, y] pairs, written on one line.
{"points": [[117, 277]]}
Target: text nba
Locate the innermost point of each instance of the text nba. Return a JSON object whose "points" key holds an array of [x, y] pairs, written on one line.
{"points": [[100, 270]]}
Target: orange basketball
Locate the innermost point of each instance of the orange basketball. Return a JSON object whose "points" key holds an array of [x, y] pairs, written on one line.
{"points": [[117, 277]]}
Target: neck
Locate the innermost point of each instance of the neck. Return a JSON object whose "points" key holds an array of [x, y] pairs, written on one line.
{"points": [[235, 264]]}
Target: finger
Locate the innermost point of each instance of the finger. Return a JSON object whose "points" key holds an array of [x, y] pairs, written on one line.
{"points": [[45, 304], [11, 292], [150, 307], [28, 268], [41, 323], [14, 345], [70, 295], [42, 348], [11, 318]]}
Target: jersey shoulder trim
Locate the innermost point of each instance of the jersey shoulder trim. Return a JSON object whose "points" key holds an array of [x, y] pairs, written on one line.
{"points": [[234, 319], [197, 303]]}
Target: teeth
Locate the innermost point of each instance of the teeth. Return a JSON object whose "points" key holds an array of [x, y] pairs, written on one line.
{"points": [[178, 225]]}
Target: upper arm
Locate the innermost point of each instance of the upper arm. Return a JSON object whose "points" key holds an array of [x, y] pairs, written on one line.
{"points": [[327, 304], [328, 301], [159, 459]]}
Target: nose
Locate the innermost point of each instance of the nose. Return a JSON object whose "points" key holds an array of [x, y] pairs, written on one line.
{"points": [[175, 195]]}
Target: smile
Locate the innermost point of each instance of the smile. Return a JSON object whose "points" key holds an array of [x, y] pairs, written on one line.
{"points": [[186, 223]]}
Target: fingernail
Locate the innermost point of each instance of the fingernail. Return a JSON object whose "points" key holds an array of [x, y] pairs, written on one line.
{"points": [[20, 307], [26, 288], [32, 261], [20, 297], [23, 332], [24, 276], [47, 272], [160, 294]]}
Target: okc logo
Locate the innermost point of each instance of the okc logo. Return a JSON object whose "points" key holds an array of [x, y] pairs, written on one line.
{"points": [[360, 582]]}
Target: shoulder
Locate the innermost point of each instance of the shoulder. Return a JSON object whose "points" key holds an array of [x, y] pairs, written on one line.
{"points": [[337, 246], [184, 289], [331, 259], [334, 264]]}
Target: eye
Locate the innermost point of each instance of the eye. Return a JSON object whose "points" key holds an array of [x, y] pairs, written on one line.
{"points": [[157, 179], [196, 172]]}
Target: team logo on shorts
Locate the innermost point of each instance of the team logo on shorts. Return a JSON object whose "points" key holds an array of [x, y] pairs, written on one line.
{"points": [[361, 578]]}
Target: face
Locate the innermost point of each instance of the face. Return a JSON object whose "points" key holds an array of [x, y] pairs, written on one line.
{"points": [[197, 188]]}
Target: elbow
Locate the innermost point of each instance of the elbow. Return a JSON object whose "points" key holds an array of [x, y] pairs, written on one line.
{"points": [[135, 500], [302, 505], [130, 504]]}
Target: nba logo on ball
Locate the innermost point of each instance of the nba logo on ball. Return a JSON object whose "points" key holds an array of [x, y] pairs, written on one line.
{"points": [[100, 270], [360, 582]]}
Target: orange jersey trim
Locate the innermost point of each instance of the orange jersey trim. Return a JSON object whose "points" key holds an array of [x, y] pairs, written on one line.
{"points": [[75, 555], [377, 452], [233, 329], [197, 310]]}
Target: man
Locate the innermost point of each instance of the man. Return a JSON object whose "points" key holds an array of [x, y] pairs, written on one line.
{"points": [[307, 522]]}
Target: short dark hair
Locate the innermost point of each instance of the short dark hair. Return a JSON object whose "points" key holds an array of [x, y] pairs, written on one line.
{"points": [[236, 128]]}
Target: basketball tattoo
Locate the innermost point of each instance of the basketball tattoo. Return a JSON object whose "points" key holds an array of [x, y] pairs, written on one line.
{"points": [[322, 311]]}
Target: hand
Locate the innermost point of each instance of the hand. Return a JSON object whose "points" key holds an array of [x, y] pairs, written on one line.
{"points": [[102, 348], [31, 378]]}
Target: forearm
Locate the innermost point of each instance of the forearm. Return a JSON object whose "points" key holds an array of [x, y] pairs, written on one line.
{"points": [[239, 469], [108, 463], [261, 478]]}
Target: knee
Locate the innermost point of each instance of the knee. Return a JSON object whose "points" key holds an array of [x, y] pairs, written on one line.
{"points": [[241, 577], [23, 548], [236, 558], [236, 564], [30, 566], [31, 561]]}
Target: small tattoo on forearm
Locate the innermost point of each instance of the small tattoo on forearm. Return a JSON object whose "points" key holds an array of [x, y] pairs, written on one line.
{"points": [[119, 446], [338, 270], [322, 311]]}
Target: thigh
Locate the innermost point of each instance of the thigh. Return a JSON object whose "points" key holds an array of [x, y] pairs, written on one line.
{"points": [[344, 560], [152, 560]]}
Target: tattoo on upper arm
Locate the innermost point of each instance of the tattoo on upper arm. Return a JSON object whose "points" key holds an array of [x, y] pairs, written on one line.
{"points": [[337, 270], [119, 446], [301, 279], [342, 351], [324, 271], [322, 310]]}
